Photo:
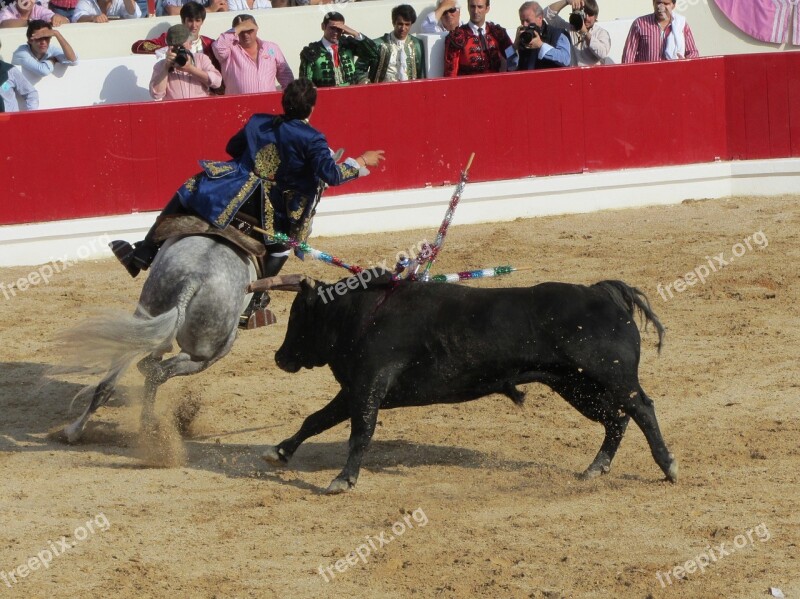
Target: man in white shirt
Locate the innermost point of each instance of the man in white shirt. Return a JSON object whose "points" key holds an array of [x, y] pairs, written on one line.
{"points": [[13, 82], [444, 19], [37, 58], [100, 11]]}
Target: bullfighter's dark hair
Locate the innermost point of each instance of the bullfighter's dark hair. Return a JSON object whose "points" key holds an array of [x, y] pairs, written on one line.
{"points": [[193, 10], [34, 26], [332, 16], [299, 98], [406, 12]]}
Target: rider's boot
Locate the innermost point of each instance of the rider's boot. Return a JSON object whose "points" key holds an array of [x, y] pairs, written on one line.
{"points": [[140, 255], [256, 314]]}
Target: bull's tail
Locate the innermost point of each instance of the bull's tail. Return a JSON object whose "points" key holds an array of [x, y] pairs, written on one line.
{"points": [[632, 300]]}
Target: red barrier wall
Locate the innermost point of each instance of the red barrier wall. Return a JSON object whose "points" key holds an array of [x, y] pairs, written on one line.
{"points": [[107, 160]]}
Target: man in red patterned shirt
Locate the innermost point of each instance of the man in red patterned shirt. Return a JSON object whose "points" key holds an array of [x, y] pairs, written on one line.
{"points": [[662, 35], [478, 47]]}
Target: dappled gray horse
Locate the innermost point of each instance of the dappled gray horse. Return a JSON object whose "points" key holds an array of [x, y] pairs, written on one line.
{"points": [[193, 297]]}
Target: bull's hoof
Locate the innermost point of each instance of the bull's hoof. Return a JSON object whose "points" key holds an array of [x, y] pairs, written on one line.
{"points": [[339, 485], [672, 473], [274, 456]]}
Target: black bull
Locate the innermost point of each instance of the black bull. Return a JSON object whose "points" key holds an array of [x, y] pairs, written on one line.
{"points": [[414, 344]]}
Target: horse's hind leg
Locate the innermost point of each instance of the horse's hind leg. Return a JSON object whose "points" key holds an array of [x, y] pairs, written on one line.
{"points": [[102, 393], [157, 371]]}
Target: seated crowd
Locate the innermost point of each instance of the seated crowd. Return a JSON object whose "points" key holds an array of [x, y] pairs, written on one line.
{"points": [[191, 65]]}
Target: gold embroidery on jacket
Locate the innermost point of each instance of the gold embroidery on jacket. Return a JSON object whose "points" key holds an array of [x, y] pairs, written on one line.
{"points": [[267, 162], [238, 199]]}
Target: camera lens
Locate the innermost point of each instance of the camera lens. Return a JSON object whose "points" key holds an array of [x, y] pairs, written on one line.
{"points": [[181, 57]]}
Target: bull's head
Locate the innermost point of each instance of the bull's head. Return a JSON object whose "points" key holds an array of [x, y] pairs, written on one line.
{"points": [[299, 348]]}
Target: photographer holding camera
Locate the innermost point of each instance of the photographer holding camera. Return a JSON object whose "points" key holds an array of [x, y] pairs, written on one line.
{"points": [[183, 73], [541, 46], [592, 43]]}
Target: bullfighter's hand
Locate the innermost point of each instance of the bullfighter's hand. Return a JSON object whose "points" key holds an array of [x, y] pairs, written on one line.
{"points": [[373, 157]]}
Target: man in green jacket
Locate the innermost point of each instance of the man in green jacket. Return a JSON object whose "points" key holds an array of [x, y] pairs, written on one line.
{"points": [[342, 57], [401, 57]]}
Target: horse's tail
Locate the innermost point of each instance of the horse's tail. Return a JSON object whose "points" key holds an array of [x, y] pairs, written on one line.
{"points": [[632, 300], [110, 342]]}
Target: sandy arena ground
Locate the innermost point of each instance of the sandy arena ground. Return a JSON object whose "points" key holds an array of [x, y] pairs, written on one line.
{"points": [[484, 494]]}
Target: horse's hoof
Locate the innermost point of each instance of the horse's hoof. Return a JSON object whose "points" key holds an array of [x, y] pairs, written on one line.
{"points": [[591, 473], [339, 485], [672, 473], [72, 434], [273, 455]]}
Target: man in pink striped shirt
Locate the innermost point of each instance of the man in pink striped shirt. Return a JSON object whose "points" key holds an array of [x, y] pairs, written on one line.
{"points": [[183, 73], [250, 65], [661, 35]]}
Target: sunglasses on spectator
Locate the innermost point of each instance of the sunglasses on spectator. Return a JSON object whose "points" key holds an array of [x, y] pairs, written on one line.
{"points": [[450, 11]]}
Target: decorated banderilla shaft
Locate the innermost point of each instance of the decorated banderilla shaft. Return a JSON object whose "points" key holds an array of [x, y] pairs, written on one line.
{"points": [[482, 273]]}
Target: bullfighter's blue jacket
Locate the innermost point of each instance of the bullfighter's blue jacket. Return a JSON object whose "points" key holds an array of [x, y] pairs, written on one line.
{"points": [[282, 160]]}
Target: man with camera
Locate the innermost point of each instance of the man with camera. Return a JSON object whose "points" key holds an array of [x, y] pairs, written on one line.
{"points": [[342, 57], [592, 43], [183, 73], [541, 46]]}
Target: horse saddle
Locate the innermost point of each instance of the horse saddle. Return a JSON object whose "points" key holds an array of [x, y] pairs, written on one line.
{"points": [[184, 225]]}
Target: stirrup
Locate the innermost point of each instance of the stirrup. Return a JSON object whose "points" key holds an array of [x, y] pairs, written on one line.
{"points": [[257, 314], [260, 317], [124, 253]]}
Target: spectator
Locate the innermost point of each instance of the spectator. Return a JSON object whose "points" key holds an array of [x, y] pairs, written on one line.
{"points": [[183, 73], [173, 7], [444, 19], [37, 57], [13, 82], [20, 12], [401, 57], [342, 57], [99, 11], [540, 45], [478, 47], [65, 8], [591, 42], [193, 15], [661, 35], [249, 64], [244, 5]]}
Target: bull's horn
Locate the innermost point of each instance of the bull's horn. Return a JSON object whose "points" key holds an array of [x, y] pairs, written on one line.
{"points": [[280, 283]]}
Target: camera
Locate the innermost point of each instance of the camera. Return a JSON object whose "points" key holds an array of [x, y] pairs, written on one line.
{"points": [[181, 55], [576, 19], [526, 35]]}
